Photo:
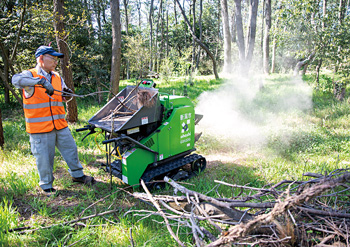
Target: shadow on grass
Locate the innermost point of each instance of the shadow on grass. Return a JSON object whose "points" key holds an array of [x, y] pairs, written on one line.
{"points": [[226, 171], [70, 201]]}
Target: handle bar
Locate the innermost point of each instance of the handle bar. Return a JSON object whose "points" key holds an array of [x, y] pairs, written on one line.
{"points": [[82, 129]]}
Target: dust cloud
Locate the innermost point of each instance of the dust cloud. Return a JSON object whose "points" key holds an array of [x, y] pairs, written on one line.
{"points": [[246, 114]]}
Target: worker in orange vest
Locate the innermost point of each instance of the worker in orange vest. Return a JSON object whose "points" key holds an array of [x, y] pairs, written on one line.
{"points": [[45, 118]]}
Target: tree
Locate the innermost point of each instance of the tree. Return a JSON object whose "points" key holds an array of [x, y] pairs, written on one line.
{"points": [[150, 22], [200, 30], [116, 46], [253, 9], [9, 57], [227, 37], [266, 43], [61, 36], [2, 139], [135, 46], [240, 35], [198, 41], [193, 39], [126, 4]]}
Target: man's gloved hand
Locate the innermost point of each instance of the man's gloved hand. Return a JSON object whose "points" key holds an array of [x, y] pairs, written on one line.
{"points": [[68, 90], [67, 96], [47, 85]]}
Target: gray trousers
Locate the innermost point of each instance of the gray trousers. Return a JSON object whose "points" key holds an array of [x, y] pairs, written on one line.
{"points": [[43, 149]]}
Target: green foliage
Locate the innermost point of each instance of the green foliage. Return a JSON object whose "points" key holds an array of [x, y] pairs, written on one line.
{"points": [[166, 70], [8, 219], [302, 28], [137, 54]]}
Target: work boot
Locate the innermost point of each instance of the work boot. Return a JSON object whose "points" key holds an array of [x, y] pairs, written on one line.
{"points": [[50, 191], [84, 180]]}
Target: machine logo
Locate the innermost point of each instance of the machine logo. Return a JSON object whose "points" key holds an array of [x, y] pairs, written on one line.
{"points": [[185, 131], [184, 127], [186, 121]]}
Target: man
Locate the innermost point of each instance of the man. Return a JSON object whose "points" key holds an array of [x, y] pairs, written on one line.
{"points": [[45, 118]]}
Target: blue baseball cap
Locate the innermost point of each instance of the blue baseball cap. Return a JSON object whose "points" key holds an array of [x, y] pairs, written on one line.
{"points": [[42, 50]]}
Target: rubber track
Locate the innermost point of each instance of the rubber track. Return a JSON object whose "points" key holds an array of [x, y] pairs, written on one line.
{"points": [[172, 165]]}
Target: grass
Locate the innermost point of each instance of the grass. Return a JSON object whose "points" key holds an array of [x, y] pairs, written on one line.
{"points": [[295, 140]]}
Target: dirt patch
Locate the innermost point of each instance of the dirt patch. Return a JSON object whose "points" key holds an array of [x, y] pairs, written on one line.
{"points": [[23, 208]]}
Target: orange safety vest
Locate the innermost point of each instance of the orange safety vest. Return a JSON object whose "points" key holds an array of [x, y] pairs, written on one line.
{"points": [[43, 114]]}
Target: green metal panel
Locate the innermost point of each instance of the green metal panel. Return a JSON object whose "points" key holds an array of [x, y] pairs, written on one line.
{"points": [[163, 143], [134, 164], [178, 101], [181, 130], [173, 101]]}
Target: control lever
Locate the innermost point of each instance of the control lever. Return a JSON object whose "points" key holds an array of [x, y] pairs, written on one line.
{"points": [[87, 127]]}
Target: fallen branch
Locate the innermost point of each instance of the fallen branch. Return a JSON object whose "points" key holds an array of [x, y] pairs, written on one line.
{"points": [[161, 213]]}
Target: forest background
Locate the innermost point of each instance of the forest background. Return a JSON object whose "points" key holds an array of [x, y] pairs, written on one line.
{"points": [[108, 44], [105, 41]]}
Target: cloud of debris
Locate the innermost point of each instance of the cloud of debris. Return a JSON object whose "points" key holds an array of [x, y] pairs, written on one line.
{"points": [[246, 113]]}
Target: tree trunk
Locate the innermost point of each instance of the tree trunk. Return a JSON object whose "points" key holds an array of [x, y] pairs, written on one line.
{"points": [[199, 42], [274, 47], [193, 39], [318, 67], [303, 63], [218, 35], [8, 86], [2, 139], [6, 71], [157, 48], [98, 19], [116, 46], [127, 34], [167, 33], [342, 10], [61, 35], [305, 69], [200, 31], [324, 13], [227, 38], [162, 39], [233, 26], [150, 17], [139, 12], [341, 15], [126, 2], [262, 35], [266, 50], [273, 59], [240, 35], [251, 33], [175, 13]]}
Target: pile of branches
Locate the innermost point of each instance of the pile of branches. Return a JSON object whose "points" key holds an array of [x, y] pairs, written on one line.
{"points": [[290, 213]]}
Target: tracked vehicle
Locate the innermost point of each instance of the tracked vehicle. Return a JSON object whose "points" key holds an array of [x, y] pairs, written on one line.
{"points": [[148, 135]]}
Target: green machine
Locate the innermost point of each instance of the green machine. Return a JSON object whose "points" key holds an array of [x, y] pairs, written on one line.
{"points": [[148, 135]]}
